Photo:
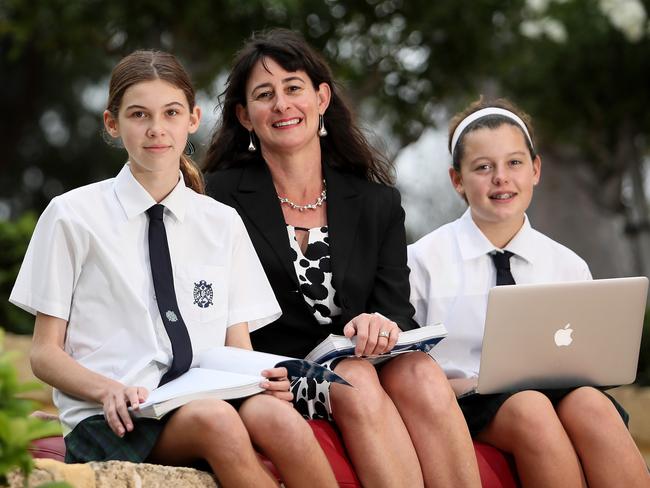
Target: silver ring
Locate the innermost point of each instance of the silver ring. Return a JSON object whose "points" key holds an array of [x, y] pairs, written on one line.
{"points": [[384, 333]]}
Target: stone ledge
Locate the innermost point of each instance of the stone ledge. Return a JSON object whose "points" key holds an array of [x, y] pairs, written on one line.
{"points": [[113, 474]]}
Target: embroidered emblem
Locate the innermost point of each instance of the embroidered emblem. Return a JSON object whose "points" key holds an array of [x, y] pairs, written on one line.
{"points": [[203, 294], [171, 316]]}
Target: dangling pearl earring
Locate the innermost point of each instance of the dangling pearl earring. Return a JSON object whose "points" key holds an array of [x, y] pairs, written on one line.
{"points": [[322, 131], [251, 144]]}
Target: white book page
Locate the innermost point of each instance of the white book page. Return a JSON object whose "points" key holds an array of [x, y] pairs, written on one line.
{"points": [[197, 380], [423, 333], [238, 360]]}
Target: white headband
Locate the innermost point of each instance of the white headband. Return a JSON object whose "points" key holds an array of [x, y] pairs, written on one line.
{"points": [[484, 112]]}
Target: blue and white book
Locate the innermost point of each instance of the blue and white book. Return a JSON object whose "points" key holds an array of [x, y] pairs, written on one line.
{"points": [[421, 339], [226, 373]]}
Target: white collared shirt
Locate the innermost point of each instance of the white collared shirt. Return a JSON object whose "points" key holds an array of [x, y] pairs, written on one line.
{"points": [[452, 272], [88, 263]]}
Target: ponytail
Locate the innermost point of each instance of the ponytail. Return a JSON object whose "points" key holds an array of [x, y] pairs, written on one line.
{"points": [[191, 174]]}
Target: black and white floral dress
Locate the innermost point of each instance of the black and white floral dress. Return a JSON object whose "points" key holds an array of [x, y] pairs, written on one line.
{"points": [[311, 397]]}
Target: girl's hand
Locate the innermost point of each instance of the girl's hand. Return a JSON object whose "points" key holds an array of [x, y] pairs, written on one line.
{"points": [[277, 384], [116, 402], [375, 333]]}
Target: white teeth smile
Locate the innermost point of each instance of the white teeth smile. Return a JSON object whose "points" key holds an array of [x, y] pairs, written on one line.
{"points": [[502, 196], [285, 123]]}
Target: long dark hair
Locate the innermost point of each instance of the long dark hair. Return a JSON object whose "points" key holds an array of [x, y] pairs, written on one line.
{"points": [[345, 147], [148, 65]]}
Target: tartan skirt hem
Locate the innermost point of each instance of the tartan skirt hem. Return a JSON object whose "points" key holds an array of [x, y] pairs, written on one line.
{"points": [[93, 440]]}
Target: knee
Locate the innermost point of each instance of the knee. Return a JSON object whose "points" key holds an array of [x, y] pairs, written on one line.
{"points": [[585, 408], [407, 374], [215, 419], [532, 420], [366, 395], [269, 419], [415, 380]]}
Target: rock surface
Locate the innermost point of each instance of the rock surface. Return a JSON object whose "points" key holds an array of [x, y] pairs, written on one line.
{"points": [[114, 474]]}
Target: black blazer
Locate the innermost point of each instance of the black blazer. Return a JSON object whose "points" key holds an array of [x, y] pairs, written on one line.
{"points": [[367, 246]]}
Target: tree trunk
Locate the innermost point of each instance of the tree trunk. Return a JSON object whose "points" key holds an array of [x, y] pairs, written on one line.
{"points": [[638, 225], [568, 210]]}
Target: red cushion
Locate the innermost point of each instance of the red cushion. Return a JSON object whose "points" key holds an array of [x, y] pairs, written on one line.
{"points": [[330, 442], [497, 469], [48, 447]]}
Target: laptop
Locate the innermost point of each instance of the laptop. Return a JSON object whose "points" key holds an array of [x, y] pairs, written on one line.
{"points": [[562, 335]]}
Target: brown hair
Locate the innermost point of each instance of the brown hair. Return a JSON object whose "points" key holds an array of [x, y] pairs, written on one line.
{"points": [[148, 65], [493, 121], [345, 147]]}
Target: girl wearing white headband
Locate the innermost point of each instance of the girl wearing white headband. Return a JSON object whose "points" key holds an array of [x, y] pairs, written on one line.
{"points": [[558, 438]]}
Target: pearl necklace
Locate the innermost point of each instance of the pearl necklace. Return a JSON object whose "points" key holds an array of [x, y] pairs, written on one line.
{"points": [[310, 206]]}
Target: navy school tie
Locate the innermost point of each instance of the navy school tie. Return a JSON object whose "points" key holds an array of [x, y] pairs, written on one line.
{"points": [[163, 283], [501, 262]]}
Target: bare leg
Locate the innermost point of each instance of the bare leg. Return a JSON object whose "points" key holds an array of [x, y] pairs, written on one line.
{"points": [[279, 431], [212, 430], [527, 426], [608, 454], [375, 436], [428, 406]]}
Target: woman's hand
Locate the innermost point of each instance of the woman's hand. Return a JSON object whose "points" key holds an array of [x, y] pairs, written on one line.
{"points": [[375, 333], [116, 402], [277, 384]]}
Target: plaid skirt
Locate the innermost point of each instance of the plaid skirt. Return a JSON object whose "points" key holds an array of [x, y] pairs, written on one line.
{"points": [[93, 440], [479, 410]]}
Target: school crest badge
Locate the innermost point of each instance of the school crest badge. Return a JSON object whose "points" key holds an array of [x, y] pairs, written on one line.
{"points": [[203, 294]]}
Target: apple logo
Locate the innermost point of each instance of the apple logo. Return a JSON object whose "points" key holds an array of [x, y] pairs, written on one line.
{"points": [[563, 336]]}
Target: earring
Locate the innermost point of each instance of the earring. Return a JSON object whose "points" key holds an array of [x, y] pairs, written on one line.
{"points": [[251, 144], [322, 131], [189, 148]]}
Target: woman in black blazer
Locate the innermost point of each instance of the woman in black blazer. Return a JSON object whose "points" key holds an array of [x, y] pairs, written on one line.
{"points": [[329, 230]]}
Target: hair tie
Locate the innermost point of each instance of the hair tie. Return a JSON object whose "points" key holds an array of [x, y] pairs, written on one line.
{"points": [[484, 112]]}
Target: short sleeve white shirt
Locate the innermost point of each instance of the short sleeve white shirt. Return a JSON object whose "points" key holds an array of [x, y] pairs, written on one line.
{"points": [[452, 272], [88, 263]]}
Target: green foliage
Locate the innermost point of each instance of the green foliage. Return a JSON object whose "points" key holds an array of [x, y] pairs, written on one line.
{"points": [[643, 371], [400, 62], [585, 88], [14, 238], [17, 429], [398, 59]]}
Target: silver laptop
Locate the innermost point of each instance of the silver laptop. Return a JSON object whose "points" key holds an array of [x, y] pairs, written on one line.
{"points": [[562, 335]]}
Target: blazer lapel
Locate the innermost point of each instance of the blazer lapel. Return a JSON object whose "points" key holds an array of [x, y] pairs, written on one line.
{"points": [[258, 200], [343, 210]]}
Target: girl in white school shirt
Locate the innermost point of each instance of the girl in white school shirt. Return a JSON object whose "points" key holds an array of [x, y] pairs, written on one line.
{"points": [[99, 338], [558, 438]]}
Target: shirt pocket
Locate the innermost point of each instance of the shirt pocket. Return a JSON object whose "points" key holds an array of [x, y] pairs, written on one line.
{"points": [[201, 293]]}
